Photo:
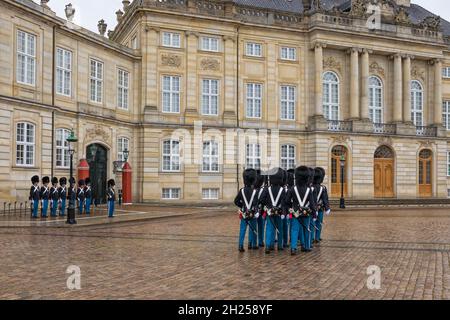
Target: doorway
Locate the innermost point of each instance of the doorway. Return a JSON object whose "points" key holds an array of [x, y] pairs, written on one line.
{"points": [[97, 158]]}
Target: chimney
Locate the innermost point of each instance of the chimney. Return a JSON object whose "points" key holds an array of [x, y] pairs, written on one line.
{"points": [[126, 4], [306, 5], [119, 15], [102, 27]]}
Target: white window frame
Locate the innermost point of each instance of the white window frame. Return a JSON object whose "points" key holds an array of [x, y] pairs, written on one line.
{"points": [[211, 44], [210, 193], [26, 59], [173, 158], [288, 53], [122, 144], [253, 156], [415, 104], [288, 156], [123, 89], [374, 106], [63, 72], [170, 39], [446, 72], [174, 95], [62, 147], [170, 192], [446, 114], [253, 49], [210, 161], [96, 85], [328, 102], [253, 104], [209, 97], [288, 102], [28, 147]]}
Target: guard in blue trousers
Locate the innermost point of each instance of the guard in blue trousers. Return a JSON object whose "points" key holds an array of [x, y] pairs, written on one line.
{"points": [[88, 195], [289, 185], [261, 220], [323, 204], [62, 191], [81, 196], [35, 195], [45, 196], [272, 199], [301, 203], [111, 197], [313, 217], [247, 201], [285, 222], [54, 197]]}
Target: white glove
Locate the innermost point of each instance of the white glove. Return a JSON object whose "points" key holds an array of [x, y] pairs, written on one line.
{"points": [[283, 216], [314, 220], [328, 212], [257, 215]]}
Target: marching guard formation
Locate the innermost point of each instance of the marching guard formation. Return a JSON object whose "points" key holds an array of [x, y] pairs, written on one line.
{"points": [[286, 207], [54, 198]]}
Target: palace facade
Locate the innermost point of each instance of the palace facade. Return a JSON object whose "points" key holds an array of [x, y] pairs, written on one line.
{"points": [[365, 81]]}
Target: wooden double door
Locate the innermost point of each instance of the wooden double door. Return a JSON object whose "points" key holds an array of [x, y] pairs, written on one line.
{"points": [[425, 173], [384, 173]]}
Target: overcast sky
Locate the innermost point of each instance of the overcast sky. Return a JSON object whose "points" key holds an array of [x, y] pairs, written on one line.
{"points": [[89, 12]]}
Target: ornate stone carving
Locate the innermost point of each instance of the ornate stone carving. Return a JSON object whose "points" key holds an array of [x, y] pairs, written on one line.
{"points": [[385, 141], [210, 64], [376, 68], [417, 73], [402, 17], [359, 8], [331, 63], [96, 132], [171, 60], [431, 22], [340, 139], [426, 144]]}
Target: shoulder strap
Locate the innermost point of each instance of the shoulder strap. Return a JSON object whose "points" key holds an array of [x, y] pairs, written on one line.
{"points": [[260, 192], [275, 201], [300, 201], [320, 194], [248, 204]]}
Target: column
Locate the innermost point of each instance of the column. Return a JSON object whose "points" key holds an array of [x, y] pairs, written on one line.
{"points": [[230, 75], [364, 107], [407, 88], [437, 92], [398, 89], [191, 72], [318, 62], [354, 83]]}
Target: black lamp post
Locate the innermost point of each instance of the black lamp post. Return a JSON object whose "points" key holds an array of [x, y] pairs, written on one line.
{"points": [[71, 210], [342, 162], [126, 153]]}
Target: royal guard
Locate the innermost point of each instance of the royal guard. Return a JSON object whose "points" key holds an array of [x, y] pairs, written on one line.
{"points": [[323, 205], [285, 222], [111, 196], [35, 196], [261, 220], [247, 201], [62, 196], [272, 199], [80, 196], [300, 204], [88, 195], [45, 196], [313, 219], [54, 197], [289, 185]]}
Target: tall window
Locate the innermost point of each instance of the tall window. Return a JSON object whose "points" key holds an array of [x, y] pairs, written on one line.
{"points": [[287, 156], [254, 100], [62, 148], [123, 89], [288, 53], [375, 100], [253, 156], [446, 114], [25, 141], [287, 102], [171, 39], [416, 103], [210, 97], [171, 94], [446, 72], [96, 81], [253, 49], [330, 96], [63, 72], [171, 155], [122, 145], [210, 44], [26, 58], [210, 156]]}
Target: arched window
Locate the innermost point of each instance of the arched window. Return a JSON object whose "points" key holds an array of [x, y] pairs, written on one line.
{"points": [[25, 144], [330, 96], [122, 145], [384, 152], [375, 100], [416, 103], [62, 148]]}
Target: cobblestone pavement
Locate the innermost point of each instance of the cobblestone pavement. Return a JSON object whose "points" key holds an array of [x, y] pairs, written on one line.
{"points": [[196, 257]]}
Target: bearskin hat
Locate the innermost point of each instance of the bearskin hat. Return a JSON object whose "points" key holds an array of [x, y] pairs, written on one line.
{"points": [[81, 182], [250, 176], [260, 179], [301, 175], [87, 181], [54, 180], [45, 180], [111, 182], [63, 181], [310, 175], [277, 179], [35, 179], [290, 177], [318, 175], [72, 180]]}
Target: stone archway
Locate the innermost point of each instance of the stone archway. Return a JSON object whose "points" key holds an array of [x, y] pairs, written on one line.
{"points": [[384, 172]]}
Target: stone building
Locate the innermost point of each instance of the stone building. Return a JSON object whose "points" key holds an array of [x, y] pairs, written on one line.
{"points": [[368, 81]]}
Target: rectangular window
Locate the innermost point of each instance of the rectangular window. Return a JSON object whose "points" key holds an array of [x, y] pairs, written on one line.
{"points": [[123, 89], [26, 58], [210, 97], [122, 145], [253, 49], [171, 94], [287, 103], [446, 72], [210, 44], [288, 53], [171, 39], [62, 148], [446, 114], [25, 140], [63, 72], [171, 155], [96, 81], [254, 100], [253, 156], [171, 193], [287, 157], [210, 194], [210, 156]]}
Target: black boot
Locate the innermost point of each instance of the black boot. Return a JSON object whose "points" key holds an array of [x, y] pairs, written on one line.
{"points": [[294, 252], [241, 249]]}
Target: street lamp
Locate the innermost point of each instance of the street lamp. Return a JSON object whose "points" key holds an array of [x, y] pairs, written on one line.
{"points": [[126, 153], [71, 210], [342, 201]]}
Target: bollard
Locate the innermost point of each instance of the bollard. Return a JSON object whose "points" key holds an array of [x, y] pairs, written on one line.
{"points": [[120, 197]]}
